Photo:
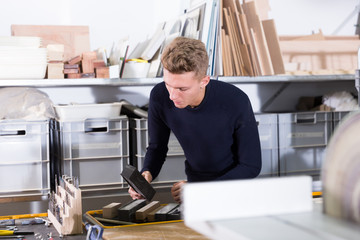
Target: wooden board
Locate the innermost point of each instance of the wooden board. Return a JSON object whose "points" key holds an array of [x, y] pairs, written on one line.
{"points": [[263, 8], [233, 43], [317, 36], [274, 46], [263, 51], [247, 41], [163, 231], [321, 55], [75, 38]]}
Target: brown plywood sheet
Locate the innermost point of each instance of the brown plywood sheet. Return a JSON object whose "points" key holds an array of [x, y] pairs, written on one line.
{"points": [[163, 231], [319, 55], [254, 23], [233, 43], [75, 38], [274, 46]]}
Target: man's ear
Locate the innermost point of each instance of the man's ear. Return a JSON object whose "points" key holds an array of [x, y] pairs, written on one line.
{"points": [[204, 81]]}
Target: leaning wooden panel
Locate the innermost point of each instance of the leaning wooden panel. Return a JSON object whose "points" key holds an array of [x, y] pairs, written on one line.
{"points": [[248, 42], [225, 61], [239, 40], [274, 46], [233, 48], [263, 51], [255, 49]]}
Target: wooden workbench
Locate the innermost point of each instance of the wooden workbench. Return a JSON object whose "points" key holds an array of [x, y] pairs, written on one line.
{"points": [[161, 231]]}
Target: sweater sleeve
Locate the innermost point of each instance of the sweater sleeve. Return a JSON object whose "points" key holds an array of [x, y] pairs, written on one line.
{"points": [[247, 150], [159, 134]]}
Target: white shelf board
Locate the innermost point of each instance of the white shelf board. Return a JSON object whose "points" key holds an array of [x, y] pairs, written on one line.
{"points": [[67, 82], [289, 78], [79, 82]]}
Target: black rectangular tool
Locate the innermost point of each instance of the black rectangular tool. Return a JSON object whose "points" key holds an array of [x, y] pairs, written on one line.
{"points": [[161, 215], [138, 182], [127, 212], [174, 214]]}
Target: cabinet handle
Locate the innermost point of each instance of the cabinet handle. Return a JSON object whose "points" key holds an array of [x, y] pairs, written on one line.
{"points": [[13, 133]]}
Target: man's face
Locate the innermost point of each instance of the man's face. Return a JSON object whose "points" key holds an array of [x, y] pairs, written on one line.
{"points": [[185, 89]]}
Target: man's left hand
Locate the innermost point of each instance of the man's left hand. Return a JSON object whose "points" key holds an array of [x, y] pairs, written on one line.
{"points": [[176, 191]]}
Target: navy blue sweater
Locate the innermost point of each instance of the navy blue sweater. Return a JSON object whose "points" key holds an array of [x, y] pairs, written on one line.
{"points": [[220, 137]]}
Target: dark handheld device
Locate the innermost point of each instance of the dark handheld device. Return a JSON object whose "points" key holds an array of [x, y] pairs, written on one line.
{"points": [[138, 182]]}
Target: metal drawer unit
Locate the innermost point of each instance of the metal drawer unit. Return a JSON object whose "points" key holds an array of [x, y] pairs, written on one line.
{"points": [[302, 141], [268, 134], [95, 151], [173, 169], [24, 158]]}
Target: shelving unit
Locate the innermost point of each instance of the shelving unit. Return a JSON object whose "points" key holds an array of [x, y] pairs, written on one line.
{"points": [[152, 81], [263, 91]]}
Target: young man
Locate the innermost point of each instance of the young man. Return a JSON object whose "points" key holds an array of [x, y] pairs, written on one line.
{"points": [[212, 120]]}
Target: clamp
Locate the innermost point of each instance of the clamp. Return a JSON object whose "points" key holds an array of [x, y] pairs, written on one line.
{"points": [[94, 232]]}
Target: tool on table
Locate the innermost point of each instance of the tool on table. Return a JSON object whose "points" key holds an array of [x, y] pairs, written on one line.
{"points": [[12, 232], [7, 222], [12, 228], [33, 221], [94, 232], [13, 236]]}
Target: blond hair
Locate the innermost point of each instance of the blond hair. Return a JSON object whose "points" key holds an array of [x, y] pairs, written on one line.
{"points": [[185, 55]]}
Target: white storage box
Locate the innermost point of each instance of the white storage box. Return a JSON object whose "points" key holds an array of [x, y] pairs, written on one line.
{"points": [[173, 169], [303, 138], [268, 134], [94, 150], [85, 111], [24, 158]]}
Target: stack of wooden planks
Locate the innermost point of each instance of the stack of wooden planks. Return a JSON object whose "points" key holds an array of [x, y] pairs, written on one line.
{"points": [[249, 43], [86, 65], [317, 54], [68, 48]]}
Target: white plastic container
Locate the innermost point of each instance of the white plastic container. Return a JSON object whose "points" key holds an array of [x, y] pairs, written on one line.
{"points": [[24, 158], [94, 150], [303, 138], [268, 133], [80, 112]]}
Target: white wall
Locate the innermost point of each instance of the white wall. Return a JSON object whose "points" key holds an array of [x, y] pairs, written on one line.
{"points": [[293, 17], [108, 20], [111, 20]]}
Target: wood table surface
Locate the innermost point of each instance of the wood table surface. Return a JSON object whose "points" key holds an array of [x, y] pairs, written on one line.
{"points": [[161, 231]]}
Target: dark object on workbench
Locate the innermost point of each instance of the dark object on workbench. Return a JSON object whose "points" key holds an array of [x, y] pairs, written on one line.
{"points": [[162, 214], [138, 182], [127, 212], [174, 214]]}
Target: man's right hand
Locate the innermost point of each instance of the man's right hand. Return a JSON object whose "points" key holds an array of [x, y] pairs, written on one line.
{"points": [[133, 194]]}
